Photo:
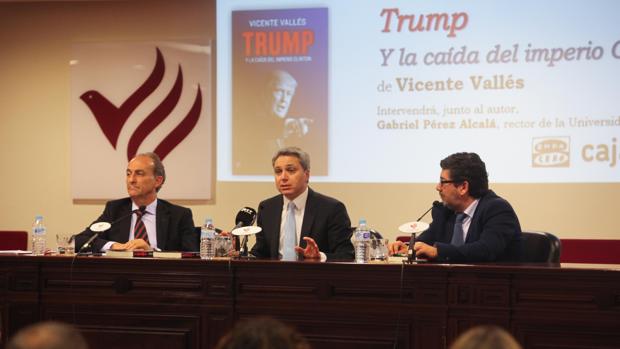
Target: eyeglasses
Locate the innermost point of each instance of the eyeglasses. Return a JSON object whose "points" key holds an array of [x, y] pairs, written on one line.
{"points": [[445, 181]]}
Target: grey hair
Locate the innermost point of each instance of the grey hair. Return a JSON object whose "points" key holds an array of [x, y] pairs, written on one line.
{"points": [[158, 166], [302, 156], [280, 76]]}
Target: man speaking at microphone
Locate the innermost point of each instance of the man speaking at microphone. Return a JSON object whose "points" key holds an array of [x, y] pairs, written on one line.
{"points": [[162, 225], [301, 221], [473, 224]]}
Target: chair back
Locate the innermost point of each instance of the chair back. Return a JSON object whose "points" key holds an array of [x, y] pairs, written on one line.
{"points": [[540, 247], [13, 240]]}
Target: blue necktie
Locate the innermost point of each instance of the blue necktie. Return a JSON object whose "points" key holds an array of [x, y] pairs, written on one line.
{"points": [[290, 235], [458, 234]]}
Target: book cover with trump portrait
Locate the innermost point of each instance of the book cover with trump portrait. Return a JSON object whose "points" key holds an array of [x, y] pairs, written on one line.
{"points": [[279, 87]]}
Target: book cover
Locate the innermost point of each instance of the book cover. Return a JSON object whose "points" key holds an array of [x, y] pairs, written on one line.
{"points": [[279, 87], [176, 254], [128, 254], [119, 253]]}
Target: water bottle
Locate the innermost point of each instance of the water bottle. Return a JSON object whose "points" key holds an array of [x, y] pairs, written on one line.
{"points": [[362, 242], [207, 240], [38, 236]]}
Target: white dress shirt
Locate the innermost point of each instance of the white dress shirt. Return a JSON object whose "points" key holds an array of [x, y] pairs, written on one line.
{"points": [[469, 211]]}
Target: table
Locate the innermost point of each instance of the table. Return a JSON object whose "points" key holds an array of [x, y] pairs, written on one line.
{"points": [[190, 303]]}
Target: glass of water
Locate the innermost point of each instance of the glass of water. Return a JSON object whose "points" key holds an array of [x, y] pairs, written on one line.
{"points": [[223, 246], [66, 244], [379, 249]]}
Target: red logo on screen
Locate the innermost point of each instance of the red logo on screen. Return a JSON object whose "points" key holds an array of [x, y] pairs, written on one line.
{"points": [[112, 118]]}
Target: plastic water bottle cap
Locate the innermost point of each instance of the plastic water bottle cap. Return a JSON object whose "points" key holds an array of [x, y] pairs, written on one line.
{"points": [[362, 221]]}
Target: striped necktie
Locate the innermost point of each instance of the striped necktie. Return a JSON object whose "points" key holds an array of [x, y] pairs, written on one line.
{"points": [[139, 230]]}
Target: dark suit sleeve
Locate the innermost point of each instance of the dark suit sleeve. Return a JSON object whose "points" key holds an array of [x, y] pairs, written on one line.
{"points": [[187, 231], [339, 234], [101, 240], [261, 247], [496, 228]]}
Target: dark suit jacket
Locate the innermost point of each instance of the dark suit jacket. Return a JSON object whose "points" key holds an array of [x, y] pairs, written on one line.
{"points": [[325, 220], [175, 226], [494, 233]]}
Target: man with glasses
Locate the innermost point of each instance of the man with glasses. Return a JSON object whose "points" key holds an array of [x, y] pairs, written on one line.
{"points": [[473, 224]]}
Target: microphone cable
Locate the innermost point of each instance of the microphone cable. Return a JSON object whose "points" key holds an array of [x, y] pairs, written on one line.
{"points": [[401, 298]]}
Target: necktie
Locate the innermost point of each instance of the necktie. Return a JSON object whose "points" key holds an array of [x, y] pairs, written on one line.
{"points": [[457, 235], [290, 235], [139, 230]]}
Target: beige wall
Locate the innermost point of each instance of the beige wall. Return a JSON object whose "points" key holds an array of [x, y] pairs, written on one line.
{"points": [[35, 43]]}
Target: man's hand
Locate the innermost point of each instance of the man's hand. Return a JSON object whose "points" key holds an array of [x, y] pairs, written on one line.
{"points": [[398, 247], [135, 244], [423, 250], [311, 251]]}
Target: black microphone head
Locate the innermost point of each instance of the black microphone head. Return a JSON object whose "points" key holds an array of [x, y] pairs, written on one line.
{"points": [[246, 216], [437, 203]]}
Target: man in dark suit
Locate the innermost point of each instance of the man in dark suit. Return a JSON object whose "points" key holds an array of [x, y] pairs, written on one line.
{"points": [[473, 224], [163, 225], [301, 221]]}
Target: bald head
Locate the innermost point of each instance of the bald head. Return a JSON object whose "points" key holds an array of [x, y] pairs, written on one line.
{"points": [[48, 335]]}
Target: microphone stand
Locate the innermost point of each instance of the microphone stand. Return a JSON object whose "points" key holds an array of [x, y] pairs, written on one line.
{"points": [[411, 257], [88, 242], [243, 252]]}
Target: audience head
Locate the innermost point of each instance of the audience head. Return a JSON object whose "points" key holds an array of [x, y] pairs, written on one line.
{"points": [[485, 337], [262, 333], [48, 335]]}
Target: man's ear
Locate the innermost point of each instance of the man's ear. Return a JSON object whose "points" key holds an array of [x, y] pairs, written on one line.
{"points": [[159, 181], [464, 188]]}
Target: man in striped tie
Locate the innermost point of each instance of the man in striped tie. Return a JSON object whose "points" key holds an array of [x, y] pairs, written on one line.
{"points": [[142, 220]]}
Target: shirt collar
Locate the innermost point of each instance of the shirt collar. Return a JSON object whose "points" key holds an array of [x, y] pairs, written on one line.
{"points": [[471, 209], [150, 208], [300, 201]]}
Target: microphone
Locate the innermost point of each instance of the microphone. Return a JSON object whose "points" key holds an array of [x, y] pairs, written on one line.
{"points": [[435, 204], [245, 217], [410, 253], [106, 226]]}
